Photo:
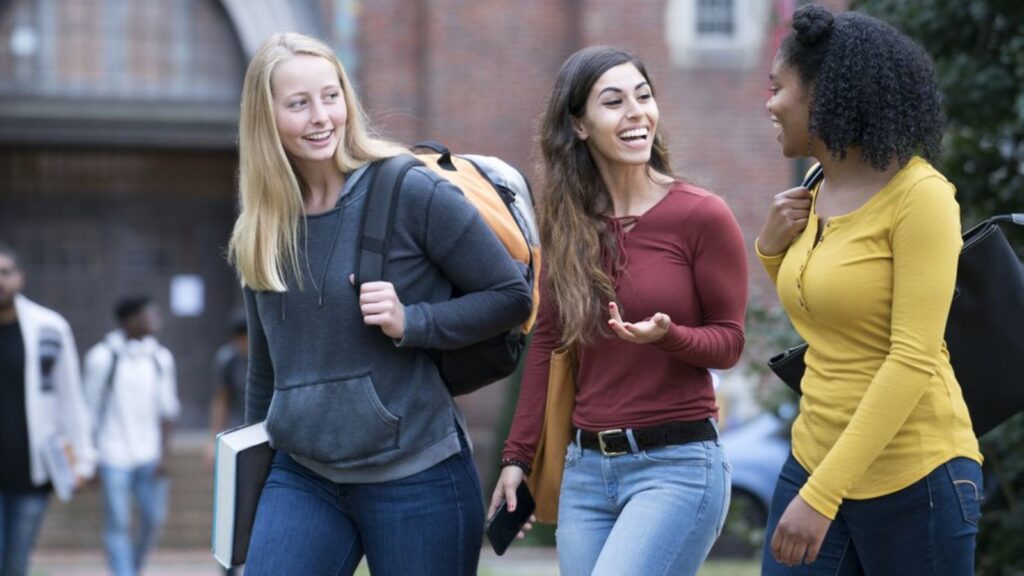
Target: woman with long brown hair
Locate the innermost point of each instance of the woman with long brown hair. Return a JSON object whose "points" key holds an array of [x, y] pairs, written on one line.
{"points": [[645, 277]]}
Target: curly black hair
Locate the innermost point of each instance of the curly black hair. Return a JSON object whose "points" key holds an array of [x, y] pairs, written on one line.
{"points": [[871, 85]]}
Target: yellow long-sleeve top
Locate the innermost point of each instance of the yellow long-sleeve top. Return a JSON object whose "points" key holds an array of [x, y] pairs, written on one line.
{"points": [[881, 407]]}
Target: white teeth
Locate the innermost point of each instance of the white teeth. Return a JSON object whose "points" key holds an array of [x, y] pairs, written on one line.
{"points": [[634, 133], [318, 136]]}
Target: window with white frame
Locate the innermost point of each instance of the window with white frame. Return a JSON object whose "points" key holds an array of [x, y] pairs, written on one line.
{"points": [[143, 50], [715, 17], [716, 33]]}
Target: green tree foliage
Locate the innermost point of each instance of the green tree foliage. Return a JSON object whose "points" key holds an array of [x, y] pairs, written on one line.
{"points": [[978, 49]]}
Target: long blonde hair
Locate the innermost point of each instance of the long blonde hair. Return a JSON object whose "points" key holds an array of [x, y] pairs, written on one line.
{"points": [[264, 242], [577, 242]]}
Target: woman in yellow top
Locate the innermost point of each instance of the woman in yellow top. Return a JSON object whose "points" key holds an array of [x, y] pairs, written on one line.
{"points": [[885, 474]]}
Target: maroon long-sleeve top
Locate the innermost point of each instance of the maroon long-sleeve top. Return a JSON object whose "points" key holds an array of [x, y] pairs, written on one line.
{"points": [[684, 257]]}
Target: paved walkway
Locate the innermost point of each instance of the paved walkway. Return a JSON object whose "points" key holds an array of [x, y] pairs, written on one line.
{"points": [[523, 561]]}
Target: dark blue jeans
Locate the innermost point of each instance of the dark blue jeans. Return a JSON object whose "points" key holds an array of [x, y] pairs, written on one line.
{"points": [[928, 527], [21, 515], [428, 523]]}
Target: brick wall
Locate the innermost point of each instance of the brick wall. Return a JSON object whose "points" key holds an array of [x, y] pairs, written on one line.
{"points": [[471, 74], [475, 75]]}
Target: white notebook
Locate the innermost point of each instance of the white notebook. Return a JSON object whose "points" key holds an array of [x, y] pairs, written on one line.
{"points": [[58, 461], [242, 463]]}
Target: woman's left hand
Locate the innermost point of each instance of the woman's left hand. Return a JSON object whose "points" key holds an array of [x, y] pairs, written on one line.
{"points": [[799, 534], [380, 306], [643, 332]]}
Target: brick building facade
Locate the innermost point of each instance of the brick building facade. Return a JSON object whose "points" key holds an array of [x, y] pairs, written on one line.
{"points": [[118, 120]]}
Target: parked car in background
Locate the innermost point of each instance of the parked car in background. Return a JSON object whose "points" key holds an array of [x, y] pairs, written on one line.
{"points": [[756, 450]]}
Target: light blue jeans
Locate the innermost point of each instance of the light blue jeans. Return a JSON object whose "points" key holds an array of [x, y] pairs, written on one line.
{"points": [[647, 513], [150, 491], [21, 515]]}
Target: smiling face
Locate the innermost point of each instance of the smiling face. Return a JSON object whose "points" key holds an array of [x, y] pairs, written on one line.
{"points": [[309, 108], [620, 118], [789, 106]]}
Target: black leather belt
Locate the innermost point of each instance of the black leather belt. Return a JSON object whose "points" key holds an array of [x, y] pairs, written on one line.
{"points": [[616, 443]]}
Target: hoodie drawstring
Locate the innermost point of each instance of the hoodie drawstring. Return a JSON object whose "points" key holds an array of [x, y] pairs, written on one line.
{"points": [[330, 255]]}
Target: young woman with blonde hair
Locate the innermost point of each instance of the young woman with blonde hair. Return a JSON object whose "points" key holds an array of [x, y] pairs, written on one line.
{"points": [[372, 458]]}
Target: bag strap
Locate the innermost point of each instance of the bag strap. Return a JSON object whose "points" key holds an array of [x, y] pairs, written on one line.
{"points": [[1015, 218], [813, 177], [108, 388], [445, 161], [378, 217], [817, 173]]}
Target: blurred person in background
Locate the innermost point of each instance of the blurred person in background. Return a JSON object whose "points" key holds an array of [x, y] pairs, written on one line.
{"points": [[42, 401], [230, 363], [227, 407], [130, 382]]}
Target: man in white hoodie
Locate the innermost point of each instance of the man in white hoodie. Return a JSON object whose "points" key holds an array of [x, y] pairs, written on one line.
{"points": [[42, 407], [131, 386]]}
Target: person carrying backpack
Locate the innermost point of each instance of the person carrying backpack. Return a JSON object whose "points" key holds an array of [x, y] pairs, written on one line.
{"points": [[130, 384], [372, 455]]}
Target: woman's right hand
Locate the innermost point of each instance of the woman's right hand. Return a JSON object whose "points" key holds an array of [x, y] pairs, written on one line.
{"points": [[787, 217], [505, 491]]}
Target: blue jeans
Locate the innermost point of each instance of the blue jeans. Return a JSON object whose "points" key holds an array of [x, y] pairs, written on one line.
{"points": [[430, 523], [928, 527], [150, 491], [21, 515], [649, 512]]}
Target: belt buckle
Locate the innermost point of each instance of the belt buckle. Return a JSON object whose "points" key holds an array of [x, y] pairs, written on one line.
{"points": [[604, 448]]}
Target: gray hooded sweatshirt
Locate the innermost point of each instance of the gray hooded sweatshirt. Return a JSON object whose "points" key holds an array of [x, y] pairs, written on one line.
{"points": [[341, 397]]}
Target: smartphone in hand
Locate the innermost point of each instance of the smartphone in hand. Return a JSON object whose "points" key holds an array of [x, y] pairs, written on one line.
{"points": [[503, 525]]}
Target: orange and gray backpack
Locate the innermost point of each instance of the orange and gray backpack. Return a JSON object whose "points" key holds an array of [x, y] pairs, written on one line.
{"points": [[502, 196]]}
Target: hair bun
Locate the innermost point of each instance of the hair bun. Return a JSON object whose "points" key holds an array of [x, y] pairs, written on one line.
{"points": [[812, 23]]}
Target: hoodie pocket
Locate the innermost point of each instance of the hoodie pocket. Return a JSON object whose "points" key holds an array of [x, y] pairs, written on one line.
{"points": [[335, 421]]}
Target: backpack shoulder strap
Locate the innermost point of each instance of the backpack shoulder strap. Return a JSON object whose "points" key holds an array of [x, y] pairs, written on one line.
{"points": [[108, 388], [377, 219], [156, 364]]}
